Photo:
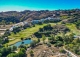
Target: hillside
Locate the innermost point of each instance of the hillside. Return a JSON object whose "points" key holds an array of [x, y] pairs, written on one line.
{"points": [[15, 17], [58, 39]]}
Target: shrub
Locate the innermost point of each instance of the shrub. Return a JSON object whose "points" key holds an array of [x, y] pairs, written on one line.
{"points": [[62, 51]]}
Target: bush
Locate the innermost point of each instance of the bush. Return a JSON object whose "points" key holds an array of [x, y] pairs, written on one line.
{"points": [[14, 48], [12, 55], [38, 40], [48, 44], [0, 55], [78, 53], [58, 44], [22, 46], [31, 53], [33, 44], [62, 51]]}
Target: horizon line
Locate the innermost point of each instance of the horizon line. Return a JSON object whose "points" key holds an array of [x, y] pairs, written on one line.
{"points": [[38, 10]]}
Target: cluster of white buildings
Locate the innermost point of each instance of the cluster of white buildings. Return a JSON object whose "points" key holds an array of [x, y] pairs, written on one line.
{"points": [[42, 20], [33, 21], [18, 25]]}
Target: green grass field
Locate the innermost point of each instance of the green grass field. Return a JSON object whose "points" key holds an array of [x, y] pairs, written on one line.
{"points": [[24, 34], [73, 29], [29, 31]]}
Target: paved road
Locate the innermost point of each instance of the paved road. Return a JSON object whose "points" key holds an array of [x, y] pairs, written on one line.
{"points": [[73, 55]]}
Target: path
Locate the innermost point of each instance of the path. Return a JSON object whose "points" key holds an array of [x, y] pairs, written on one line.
{"points": [[73, 55]]}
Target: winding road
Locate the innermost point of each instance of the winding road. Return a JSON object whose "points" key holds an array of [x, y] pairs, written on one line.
{"points": [[73, 55]]}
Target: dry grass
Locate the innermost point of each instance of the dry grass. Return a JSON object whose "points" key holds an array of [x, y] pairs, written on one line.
{"points": [[45, 51]]}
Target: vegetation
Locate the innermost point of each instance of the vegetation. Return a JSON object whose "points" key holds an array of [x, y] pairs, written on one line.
{"points": [[74, 46], [7, 50], [31, 53], [24, 33], [62, 51], [33, 44], [61, 34], [21, 53], [73, 28], [78, 24], [15, 17], [43, 38]]}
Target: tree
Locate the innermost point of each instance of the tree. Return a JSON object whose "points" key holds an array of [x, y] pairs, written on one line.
{"points": [[13, 55], [62, 51], [78, 53], [71, 37], [13, 48], [40, 29], [51, 39], [33, 44], [5, 51], [31, 53], [3, 22], [58, 44], [66, 39], [21, 54], [43, 38], [17, 29], [59, 38], [22, 46], [22, 39], [0, 55], [23, 50], [0, 40], [7, 33], [40, 23], [11, 23], [38, 40], [48, 44]]}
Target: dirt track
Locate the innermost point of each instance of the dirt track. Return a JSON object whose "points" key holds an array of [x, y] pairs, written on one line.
{"points": [[44, 51]]}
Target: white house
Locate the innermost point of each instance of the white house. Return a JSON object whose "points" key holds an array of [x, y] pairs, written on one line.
{"points": [[35, 21]]}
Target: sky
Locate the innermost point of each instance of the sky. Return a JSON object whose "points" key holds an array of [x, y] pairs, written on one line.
{"points": [[20, 5]]}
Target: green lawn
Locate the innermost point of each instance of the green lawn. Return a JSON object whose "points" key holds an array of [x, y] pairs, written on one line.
{"points": [[73, 29], [29, 31], [24, 34]]}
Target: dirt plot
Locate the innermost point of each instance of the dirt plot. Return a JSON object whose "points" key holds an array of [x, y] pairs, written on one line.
{"points": [[4, 28], [45, 51]]}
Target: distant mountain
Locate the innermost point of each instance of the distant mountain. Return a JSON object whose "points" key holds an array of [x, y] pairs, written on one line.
{"points": [[27, 15]]}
